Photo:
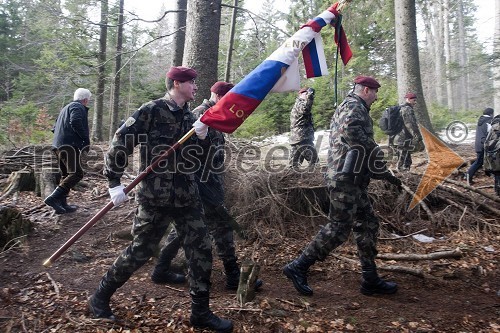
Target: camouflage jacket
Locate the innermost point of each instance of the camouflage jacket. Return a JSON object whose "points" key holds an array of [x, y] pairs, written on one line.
{"points": [[156, 126], [301, 121], [351, 132], [410, 133], [217, 140]]}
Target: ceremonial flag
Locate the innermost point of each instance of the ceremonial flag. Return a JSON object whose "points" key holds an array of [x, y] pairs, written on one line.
{"points": [[230, 112], [314, 58]]}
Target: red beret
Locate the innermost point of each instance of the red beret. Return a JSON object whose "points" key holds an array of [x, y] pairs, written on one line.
{"points": [[367, 81], [221, 87], [410, 95], [180, 73]]}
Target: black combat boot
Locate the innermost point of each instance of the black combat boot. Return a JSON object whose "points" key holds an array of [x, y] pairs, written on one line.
{"points": [[68, 208], [297, 272], [233, 276], [202, 317], [99, 302], [55, 199], [162, 274], [373, 284]]}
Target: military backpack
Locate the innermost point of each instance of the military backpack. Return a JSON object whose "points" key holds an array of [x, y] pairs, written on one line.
{"points": [[492, 147], [391, 122]]}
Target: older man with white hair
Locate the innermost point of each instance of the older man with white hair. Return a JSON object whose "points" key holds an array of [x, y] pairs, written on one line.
{"points": [[71, 136]]}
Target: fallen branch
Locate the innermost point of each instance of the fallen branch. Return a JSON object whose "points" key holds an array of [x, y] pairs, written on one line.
{"points": [[405, 236], [456, 253], [243, 309], [54, 284], [469, 198], [400, 269]]}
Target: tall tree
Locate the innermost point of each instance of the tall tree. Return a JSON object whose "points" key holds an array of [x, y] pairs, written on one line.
{"points": [[496, 59], [462, 57], [96, 134], [201, 50], [232, 31], [113, 125], [447, 54], [407, 58], [180, 32]]}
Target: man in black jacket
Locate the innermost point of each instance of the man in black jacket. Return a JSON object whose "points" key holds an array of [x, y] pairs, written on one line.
{"points": [[483, 126], [71, 136]]}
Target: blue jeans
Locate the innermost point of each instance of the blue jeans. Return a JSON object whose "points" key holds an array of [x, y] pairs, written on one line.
{"points": [[476, 165]]}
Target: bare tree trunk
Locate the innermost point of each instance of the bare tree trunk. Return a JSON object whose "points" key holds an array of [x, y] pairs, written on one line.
{"points": [[180, 33], [407, 58], [462, 58], [113, 124], [438, 49], [201, 50], [227, 75], [496, 52], [101, 77], [447, 54]]}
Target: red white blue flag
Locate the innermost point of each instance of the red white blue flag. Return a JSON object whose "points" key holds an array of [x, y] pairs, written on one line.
{"points": [[314, 58], [230, 112]]}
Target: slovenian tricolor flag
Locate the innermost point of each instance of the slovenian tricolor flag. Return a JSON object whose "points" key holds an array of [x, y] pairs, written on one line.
{"points": [[230, 112], [314, 58]]}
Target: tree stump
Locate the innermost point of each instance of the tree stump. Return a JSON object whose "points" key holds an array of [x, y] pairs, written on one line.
{"points": [[12, 226], [246, 287], [22, 180]]}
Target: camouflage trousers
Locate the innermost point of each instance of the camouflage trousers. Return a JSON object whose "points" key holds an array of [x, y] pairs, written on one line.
{"points": [[150, 224], [303, 151], [212, 197], [350, 209], [404, 159]]}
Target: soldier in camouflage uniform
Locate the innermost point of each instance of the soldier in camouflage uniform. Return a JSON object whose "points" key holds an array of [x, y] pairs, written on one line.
{"points": [[211, 186], [302, 130], [409, 139], [168, 194], [353, 158]]}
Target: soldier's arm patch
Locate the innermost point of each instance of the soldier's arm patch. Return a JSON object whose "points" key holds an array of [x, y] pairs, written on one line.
{"points": [[129, 122]]}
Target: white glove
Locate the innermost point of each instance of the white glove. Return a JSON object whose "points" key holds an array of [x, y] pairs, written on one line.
{"points": [[201, 129], [117, 195]]}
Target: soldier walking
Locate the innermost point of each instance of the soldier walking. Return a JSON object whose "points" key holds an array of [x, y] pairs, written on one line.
{"points": [[353, 158], [168, 194], [409, 139]]}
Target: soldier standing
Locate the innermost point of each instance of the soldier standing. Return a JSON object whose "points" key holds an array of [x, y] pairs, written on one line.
{"points": [[168, 194], [409, 139], [353, 158], [302, 130], [219, 221]]}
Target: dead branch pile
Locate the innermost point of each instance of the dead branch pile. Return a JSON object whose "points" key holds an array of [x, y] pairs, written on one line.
{"points": [[294, 202]]}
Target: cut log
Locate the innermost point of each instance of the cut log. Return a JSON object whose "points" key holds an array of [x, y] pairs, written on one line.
{"points": [[13, 226], [246, 288]]}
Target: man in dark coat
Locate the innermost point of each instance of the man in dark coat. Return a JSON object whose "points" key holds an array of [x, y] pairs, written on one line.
{"points": [[71, 136], [483, 127]]}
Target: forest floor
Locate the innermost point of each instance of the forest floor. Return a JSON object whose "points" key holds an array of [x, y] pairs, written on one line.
{"points": [[452, 295]]}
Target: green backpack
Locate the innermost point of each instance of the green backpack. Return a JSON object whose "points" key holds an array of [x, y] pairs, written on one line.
{"points": [[492, 147]]}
